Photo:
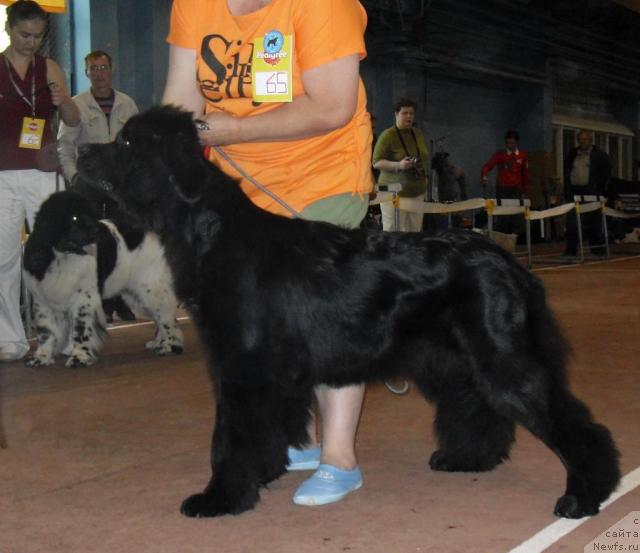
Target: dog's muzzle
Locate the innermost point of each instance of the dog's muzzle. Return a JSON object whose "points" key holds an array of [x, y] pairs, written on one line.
{"points": [[105, 185]]}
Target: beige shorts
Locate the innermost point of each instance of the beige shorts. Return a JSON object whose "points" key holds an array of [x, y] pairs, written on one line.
{"points": [[346, 210]]}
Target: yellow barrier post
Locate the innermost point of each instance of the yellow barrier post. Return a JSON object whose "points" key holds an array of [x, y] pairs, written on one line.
{"points": [[396, 211], [490, 206]]}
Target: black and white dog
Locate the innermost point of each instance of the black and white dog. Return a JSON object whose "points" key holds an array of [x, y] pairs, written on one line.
{"points": [[285, 304], [72, 260]]}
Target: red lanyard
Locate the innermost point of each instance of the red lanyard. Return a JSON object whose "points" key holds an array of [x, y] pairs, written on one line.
{"points": [[32, 103]]}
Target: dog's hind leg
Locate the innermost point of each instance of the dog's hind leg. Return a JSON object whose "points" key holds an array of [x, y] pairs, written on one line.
{"points": [[161, 305], [471, 435], [249, 448], [548, 410], [588, 452]]}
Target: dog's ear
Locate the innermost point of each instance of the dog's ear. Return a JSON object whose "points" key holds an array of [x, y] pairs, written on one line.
{"points": [[183, 153], [189, 169]]}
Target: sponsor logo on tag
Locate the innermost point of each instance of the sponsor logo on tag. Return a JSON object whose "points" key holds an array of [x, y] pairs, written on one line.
{"points": [[273, 43]]}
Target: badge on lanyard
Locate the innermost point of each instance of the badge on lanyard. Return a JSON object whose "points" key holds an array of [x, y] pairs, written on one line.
{"points": [[271, 68], [32, 131]]}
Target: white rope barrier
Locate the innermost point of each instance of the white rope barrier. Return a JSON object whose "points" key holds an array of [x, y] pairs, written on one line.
{"points": [[551, 212], [591, 206], [620, 214], [493, 207], [417, 205]]}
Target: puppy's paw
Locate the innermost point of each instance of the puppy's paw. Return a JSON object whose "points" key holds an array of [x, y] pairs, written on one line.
{"points": [[80, 359], [570, 506], [35, 361], [151, 344], [167, 348]]}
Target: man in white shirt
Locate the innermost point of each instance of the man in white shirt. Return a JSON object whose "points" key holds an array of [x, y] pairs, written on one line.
{"points": [[103, 112]]}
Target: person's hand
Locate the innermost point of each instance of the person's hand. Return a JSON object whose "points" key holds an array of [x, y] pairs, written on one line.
{"points": [[58, 94], [223, 129], [484, 180], [406, 163]]}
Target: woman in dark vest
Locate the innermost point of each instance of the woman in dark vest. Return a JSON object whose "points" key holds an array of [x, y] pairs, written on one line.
{"points": [[32, 90]]}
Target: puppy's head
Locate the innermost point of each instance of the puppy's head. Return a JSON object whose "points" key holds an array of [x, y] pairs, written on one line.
{"points": [[68, 223], [439, 161], [155, 163]]}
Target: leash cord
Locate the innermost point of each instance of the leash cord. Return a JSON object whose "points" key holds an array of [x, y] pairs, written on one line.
{"points": [[255, 183]]}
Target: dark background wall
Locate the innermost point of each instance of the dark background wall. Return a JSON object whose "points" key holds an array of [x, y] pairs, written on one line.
{"points": [[134, 34], [475, 69]]}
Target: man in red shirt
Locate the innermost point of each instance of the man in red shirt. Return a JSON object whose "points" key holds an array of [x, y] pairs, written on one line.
{"points": [[513, 174]]}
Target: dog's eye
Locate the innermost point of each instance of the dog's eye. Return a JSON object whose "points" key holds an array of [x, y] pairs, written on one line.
{"points": [[122, 141]]}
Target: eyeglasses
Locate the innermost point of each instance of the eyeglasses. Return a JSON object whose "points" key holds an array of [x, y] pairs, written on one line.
{"points": [[97, 68]]}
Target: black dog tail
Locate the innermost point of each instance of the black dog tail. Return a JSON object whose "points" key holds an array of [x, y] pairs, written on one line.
{"points": [[585, 447]]}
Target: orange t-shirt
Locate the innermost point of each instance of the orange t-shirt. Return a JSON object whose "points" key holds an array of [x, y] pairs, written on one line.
{"points": [[299, 171]]}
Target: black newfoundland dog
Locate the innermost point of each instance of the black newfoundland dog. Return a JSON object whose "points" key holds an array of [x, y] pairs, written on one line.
{"points": [[285, 304], [72, 260]]}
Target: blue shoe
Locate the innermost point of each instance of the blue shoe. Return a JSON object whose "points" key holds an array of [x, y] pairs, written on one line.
{"points": [[327, 485], [303, 459]]}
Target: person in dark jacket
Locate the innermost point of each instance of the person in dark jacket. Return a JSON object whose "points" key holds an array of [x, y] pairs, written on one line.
{"points": [[587, 170]]}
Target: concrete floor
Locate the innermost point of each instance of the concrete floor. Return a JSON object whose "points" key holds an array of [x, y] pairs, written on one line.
{"points": [[99, 459]]}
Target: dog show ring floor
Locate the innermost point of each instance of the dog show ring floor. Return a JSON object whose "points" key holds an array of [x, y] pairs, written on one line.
{"points": [[99, 459]]}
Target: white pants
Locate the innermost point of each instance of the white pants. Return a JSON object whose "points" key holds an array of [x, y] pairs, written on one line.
{"points": [[409, 221], [21, 193]]}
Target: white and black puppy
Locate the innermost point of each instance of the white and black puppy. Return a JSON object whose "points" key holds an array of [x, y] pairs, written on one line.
{"points": [[73, 259]]}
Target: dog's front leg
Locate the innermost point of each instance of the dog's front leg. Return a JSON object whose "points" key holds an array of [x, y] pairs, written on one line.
{"points": [[88, 329], [49, 335], [247, 445]]}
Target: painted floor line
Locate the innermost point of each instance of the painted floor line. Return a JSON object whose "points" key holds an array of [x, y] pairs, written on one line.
{"points": [[142, 323], [556, 531]]}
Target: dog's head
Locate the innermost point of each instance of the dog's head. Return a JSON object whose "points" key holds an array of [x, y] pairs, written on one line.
{"points": [[155, 162], [439, 161], [68, 223]]}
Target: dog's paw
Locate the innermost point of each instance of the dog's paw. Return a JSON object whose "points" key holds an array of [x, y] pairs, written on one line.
{"points": [[176, 349], [203, 505], [570, 506], [443, 461], [167, 348], [78, 360], [215, 503], [151, 344], [35, 361]]}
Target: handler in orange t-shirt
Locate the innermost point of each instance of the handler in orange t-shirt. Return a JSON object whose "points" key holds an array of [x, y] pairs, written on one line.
{"points": [[277, 82]]}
